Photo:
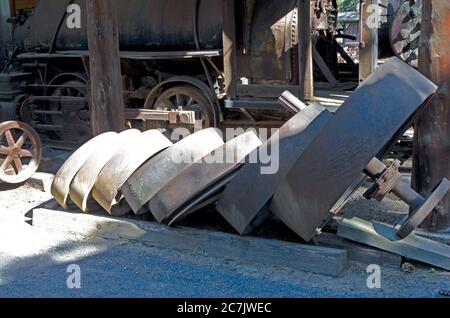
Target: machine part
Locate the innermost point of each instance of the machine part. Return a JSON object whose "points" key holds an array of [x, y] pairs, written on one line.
{"points": [[84, 180], [364, 127], [188, 98], [388, 179], [148, 180], [122, 165], [253, 187], [291, 103], [20, 152], [7, 111], [187, 81], [179, 116], [61, 184], [431, 204], [384, 237], [11, 84], [202, 175], [209, 196], [405, 31]]}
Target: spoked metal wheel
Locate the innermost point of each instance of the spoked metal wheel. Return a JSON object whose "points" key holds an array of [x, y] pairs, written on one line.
{"points": [[189, 98], [20, 152]]}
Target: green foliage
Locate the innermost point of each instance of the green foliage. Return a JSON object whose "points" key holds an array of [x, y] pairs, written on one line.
{"points": [[348, 5]]}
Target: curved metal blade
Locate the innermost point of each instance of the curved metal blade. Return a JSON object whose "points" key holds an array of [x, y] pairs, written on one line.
{"points": [[84, 180], [61, 184], [155, 174], [365, 126], [251, 190], [201, 175], [122, 165]]}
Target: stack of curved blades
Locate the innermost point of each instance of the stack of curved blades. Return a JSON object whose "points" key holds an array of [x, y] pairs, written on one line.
{"points": [[303, 173], [100, 167]]}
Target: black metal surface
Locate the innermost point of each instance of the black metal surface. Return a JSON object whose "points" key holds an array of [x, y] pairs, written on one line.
{"points": [[200, 176], [250, 190], [143, 25], [365, 126]]}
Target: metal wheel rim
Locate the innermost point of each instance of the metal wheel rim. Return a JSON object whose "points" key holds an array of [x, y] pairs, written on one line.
{"points": [[18, 141]]}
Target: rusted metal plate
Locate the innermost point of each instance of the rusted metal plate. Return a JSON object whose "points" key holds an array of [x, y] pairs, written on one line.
{"points": [[84, 180], [20, 152], [148, 180], [201, 175], [365, 126], [251, 190], [122, 165], [64, 177]]}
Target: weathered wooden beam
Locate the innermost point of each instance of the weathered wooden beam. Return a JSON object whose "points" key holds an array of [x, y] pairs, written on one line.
{"points": [[432, 141], [384, 237], [305, 60], [320, 260], [368, 49], [107, 104], [229, 47]]}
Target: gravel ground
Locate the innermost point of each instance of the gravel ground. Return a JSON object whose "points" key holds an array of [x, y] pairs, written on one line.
{"points": [[33, 263]]}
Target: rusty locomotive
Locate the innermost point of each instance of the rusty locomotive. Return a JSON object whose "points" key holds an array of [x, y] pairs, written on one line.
{"points": [[172, 56]]}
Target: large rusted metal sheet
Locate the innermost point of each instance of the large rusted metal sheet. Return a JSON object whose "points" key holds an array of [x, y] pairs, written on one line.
{"points": [[84, 180], [122, 165], [201, 176], [148, 180], [365, 126], [251, 190], [64, 177]]}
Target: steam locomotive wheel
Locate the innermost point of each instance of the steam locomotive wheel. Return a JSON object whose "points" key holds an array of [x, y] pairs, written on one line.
{"points": [[20, 152], [189, 98]]}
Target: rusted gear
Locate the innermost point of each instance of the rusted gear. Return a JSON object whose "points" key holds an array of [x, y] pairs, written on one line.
{"points": [[20, 152]]}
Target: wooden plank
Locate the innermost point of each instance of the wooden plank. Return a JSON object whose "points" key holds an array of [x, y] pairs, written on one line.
{"points": [[358, 252], [229, 47], [368, 52], [107, 104], [320, 260], [384, 237], [432, 142]]}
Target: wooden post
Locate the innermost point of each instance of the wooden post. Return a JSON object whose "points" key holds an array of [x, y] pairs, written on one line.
{"points": [[229, 47], [305, 60], [432, 142], [368, 49], [107, 104]]}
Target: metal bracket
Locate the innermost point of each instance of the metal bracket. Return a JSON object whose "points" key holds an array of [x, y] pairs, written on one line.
{"points": [[388, 179]]}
